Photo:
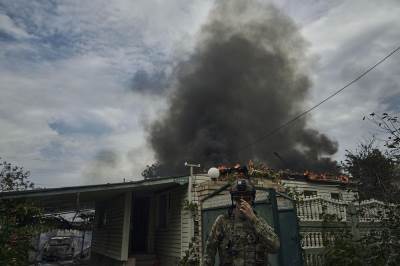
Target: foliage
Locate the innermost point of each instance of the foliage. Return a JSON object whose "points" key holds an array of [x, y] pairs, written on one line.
{"points": [[379, 246], [20, 219], [190, 206], [192, 256], [151, 171], [343, 250], [390, 124], [14, 177], [374, 172], [158, 169]]}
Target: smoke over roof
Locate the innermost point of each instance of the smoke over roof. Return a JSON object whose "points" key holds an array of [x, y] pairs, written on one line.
{"points": [[244, 78]]}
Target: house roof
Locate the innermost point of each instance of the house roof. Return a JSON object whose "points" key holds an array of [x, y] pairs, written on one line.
{"points": [[69, 198]]}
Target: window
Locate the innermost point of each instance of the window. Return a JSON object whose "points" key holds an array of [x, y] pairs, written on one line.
{"points": [[162, 211], [102, 217], [336, 196], [310, 193]]}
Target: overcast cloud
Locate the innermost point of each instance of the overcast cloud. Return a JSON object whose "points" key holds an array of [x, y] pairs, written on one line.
{"points": [[80, 80]]}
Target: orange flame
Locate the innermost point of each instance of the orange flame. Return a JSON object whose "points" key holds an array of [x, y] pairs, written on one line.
{"points": [[324, 176]]}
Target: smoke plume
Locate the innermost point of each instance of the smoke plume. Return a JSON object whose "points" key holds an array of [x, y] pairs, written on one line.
{"points": [[244, 78]]}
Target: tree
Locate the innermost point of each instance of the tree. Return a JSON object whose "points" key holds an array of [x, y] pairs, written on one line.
{"points": [[374, 172], [20, 219], [158, 169], [390, 124], [380, 246], [14, 177], [151, 171]]}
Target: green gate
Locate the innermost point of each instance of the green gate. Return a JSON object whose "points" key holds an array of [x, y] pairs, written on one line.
{"points": [[276, 208]]}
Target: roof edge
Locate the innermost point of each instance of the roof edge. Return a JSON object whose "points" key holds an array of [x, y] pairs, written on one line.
{"points": [[97, 187]]}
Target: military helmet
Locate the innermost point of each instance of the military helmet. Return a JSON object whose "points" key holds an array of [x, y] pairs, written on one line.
{"points": [[242, 188]]}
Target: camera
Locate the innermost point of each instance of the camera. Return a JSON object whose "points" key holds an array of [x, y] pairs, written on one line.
{"points": [[241, 185]]}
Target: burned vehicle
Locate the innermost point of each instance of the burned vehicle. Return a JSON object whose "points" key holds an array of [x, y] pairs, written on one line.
{"points": [[59, 248]]}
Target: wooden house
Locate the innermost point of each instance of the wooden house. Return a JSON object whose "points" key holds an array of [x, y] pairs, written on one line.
{"points": [[137, 223]]}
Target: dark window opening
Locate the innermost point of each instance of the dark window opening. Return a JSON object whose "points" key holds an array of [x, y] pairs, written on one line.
{"points": [[102, 217], [140, 225], [162, 211], [336, 196], [310, 193]]}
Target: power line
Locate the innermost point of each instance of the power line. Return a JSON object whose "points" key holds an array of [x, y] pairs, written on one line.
{"points": [[275, 130]]}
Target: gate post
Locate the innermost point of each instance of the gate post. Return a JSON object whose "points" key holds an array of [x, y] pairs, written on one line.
{"points": [[352, 213]]}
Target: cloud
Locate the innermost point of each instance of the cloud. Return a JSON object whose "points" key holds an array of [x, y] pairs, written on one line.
{"points": [[81, 126], [149, 83], [68, 110], [72, 63], [9, 28], [347, 39], [66, 88]]}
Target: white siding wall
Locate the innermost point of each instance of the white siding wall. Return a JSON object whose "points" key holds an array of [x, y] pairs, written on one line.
{"points": [[186, 219], [168, 240], [185, 226], [111, 239], [202, 178]]}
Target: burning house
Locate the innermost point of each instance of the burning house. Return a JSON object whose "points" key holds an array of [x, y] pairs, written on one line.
{"points": [[153, 221], [163, 221]]}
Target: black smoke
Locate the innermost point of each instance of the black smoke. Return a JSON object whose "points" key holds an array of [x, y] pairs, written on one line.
{"points": [[245, 77]]}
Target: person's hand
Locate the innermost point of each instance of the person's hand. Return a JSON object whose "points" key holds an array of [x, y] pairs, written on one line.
{"points": [[247, 210]]}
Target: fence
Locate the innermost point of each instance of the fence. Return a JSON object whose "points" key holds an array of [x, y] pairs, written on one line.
{"points": [[313, 208], [348, 215]]}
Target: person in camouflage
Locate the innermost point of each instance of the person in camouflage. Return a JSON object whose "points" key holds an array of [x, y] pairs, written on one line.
{"points": [[241, 237]]}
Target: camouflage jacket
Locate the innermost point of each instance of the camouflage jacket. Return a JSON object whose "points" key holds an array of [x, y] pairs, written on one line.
{"points": [[240, 242]]}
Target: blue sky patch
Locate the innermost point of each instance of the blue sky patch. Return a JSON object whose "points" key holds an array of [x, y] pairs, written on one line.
{"points": [[81, 127]]}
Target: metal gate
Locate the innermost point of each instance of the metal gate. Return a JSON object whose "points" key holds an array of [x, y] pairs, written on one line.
{"points": [[276, 208]]}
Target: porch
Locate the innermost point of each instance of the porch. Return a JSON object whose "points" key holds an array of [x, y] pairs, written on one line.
{"points": [[143, 227], [136, 223]]}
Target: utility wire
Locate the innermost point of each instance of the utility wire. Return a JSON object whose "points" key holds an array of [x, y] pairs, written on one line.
{"points": [[275, 130]]}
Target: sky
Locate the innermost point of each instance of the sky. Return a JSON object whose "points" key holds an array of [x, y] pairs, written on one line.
{"points": [[81, 81]]}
